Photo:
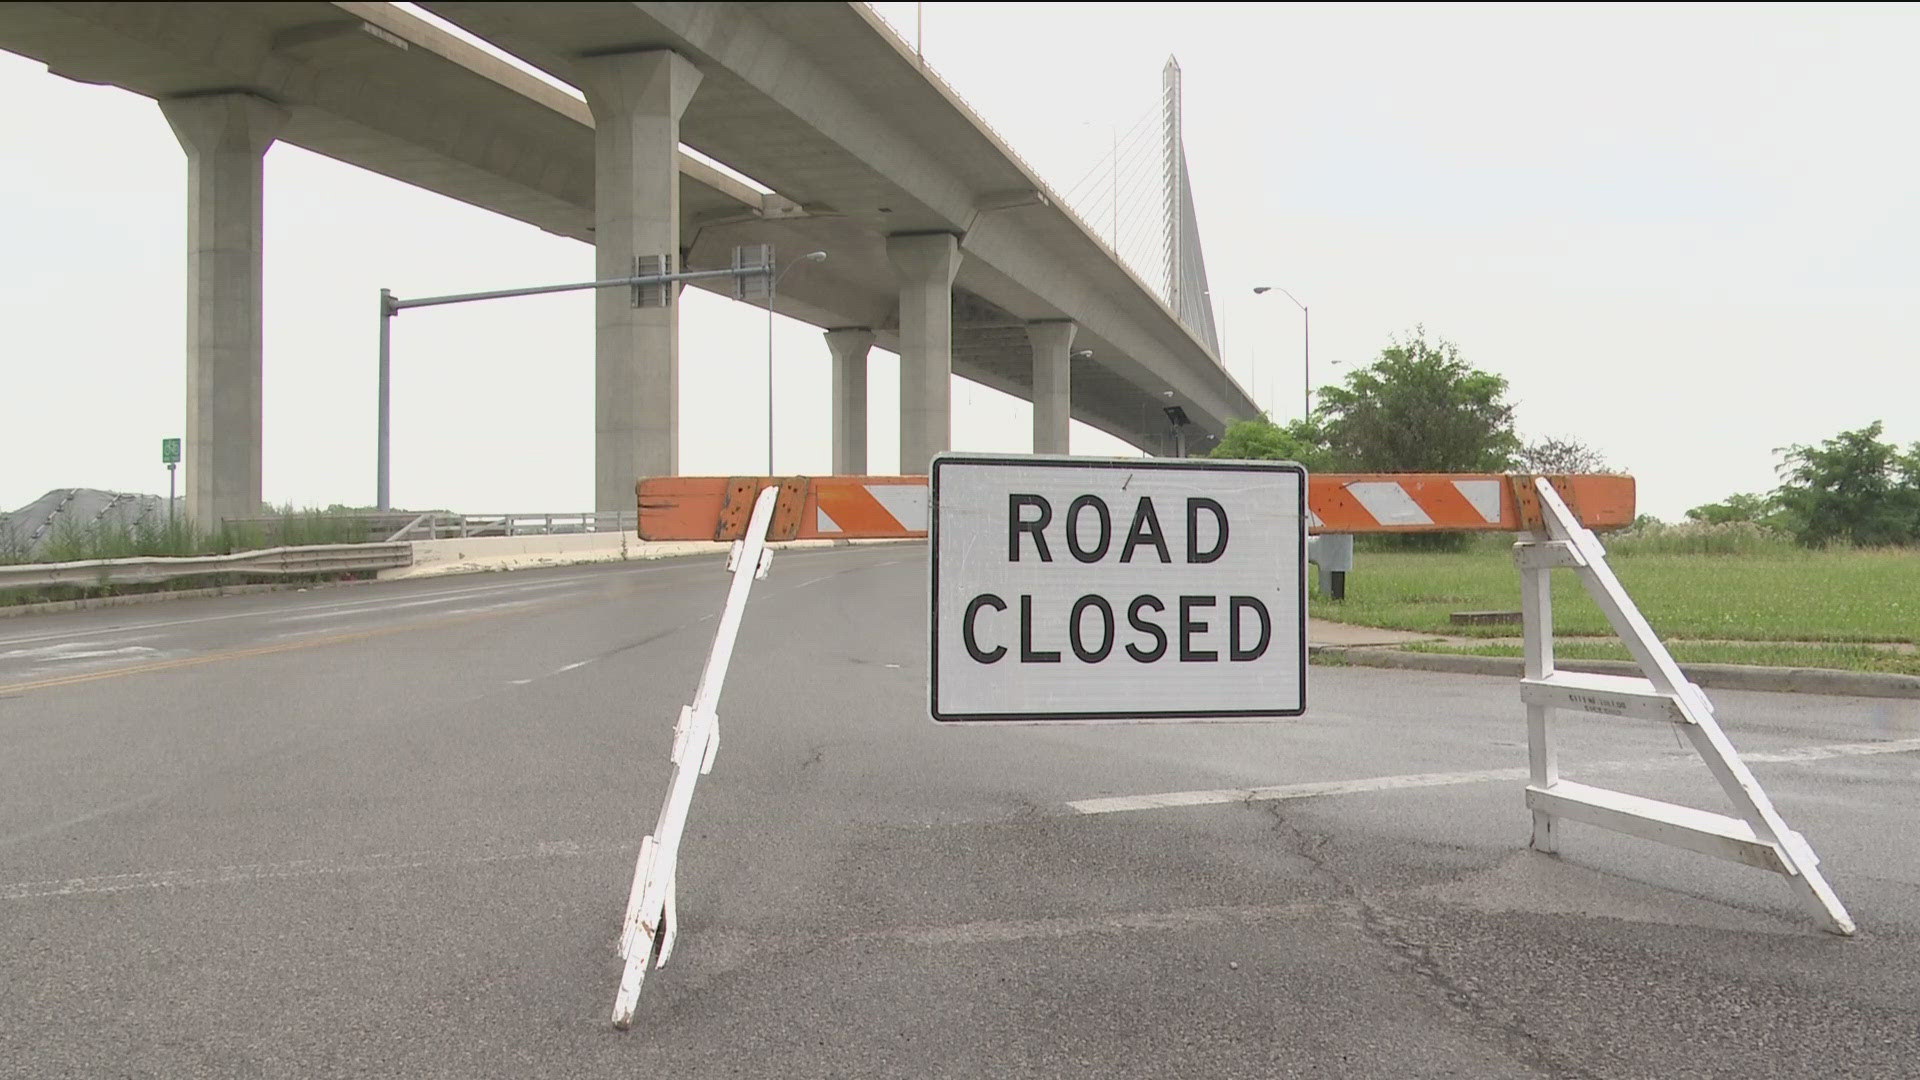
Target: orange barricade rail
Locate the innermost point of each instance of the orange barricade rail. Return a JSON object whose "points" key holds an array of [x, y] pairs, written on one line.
{"points": [[1458, 502], [810, 508], [892, 507]]}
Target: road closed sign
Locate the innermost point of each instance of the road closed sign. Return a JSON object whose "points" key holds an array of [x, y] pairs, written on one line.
{"points": [[1093, 589]]}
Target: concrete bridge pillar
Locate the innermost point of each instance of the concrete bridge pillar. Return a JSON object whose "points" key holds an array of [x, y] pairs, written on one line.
{"points": [[1052, 384], [925, 264], [637, 99], [225, 137], [849, 348]]}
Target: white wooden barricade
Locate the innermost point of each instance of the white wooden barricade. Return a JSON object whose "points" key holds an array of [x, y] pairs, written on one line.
{"points": [[646, 935], [1756, 835]]}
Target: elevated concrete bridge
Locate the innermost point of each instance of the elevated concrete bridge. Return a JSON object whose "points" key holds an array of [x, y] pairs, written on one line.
{"points": [[946, 248]]}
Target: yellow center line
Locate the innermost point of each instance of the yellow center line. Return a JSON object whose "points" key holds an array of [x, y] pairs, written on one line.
{"points": [[308, 643]]}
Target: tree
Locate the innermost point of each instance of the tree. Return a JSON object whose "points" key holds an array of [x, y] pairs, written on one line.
{"points": [[1553, 455], [1852, 487], [1264, 440], [1759, 509], [1419, 408]]}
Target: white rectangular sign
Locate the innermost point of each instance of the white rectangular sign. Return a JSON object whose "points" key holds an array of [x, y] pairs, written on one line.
{"points": [[1101, 589]]}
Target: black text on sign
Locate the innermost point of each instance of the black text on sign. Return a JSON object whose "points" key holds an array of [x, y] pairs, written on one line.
{"points": [[1074, 589]]}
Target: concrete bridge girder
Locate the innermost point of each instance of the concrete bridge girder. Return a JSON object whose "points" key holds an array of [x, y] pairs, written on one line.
{"points": [[853, 161]]}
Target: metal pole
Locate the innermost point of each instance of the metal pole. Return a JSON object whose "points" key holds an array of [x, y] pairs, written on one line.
{"points": [[1306, 352], [772, 283], [391, 306], [383, 454], [170, 468], [1253, 372], [773, 288], [608, 283], [1306, 362]]}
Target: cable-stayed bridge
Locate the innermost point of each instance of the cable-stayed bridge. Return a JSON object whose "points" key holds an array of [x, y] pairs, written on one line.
{"points": [[946, 247]]}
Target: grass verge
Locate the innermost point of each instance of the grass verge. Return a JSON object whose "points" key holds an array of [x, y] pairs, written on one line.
{"points": [[115, 539], [1775, 595], [1765, 654]]}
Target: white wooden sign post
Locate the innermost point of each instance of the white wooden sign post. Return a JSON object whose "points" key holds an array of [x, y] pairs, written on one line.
{"points": [[1130, 589], [1755, 834], [646, 935]]}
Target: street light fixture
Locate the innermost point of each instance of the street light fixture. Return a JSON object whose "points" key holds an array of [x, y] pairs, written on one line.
{"points": [[1177, 417], [773, 287], [1306, 348]]}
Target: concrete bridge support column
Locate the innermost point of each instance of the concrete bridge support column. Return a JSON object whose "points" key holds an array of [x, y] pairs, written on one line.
{"points": [[637, 99], [925, 264], [849, 348], [1052, 384], [225, 137]]}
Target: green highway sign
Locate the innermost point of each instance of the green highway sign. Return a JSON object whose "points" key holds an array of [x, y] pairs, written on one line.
{"points": [[169, 451]]}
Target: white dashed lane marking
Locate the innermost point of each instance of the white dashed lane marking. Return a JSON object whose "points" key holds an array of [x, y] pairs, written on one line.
{"points": [[1169, 799]]}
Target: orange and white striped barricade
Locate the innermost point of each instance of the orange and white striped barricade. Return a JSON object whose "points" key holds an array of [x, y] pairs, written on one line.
{"points": [[1556, 516], [809, 508], [1458, 502], [865, 508], [895, 507]]}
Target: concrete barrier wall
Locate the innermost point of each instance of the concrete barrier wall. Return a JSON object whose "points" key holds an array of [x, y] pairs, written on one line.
{"points": [[465, 555], [477, 554]]}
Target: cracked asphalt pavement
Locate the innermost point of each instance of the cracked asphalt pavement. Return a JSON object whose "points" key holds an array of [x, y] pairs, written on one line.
{"points": [[387, 830]]}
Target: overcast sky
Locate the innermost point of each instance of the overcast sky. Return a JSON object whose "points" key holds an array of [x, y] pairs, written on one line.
{"points": [[1685, 235]]}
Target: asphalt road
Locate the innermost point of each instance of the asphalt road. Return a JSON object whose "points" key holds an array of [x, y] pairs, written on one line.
{"points": [[387, 830]]}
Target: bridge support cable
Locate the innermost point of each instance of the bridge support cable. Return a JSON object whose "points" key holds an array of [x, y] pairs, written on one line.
{"points": [[1139, 198]]}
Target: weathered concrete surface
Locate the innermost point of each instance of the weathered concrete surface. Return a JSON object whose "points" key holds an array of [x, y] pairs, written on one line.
{"points": [[925, 264], [225, 137], [388, 830], [637, 99], [1052, 384], [484, 554], [849, 348]]}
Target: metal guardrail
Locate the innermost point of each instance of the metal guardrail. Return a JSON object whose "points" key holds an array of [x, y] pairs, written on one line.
{"points": [[276, 562], [432, 526]]}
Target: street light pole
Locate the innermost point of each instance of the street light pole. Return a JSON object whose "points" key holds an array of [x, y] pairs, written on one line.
{"points": [[1306, 363], [382, 496], [1306, 349], [391, 305], [773, 286]]}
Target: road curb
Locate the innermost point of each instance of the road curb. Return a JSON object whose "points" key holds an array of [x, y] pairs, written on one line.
{"points": [[716, 547], [89, 603], [1713, 676]]}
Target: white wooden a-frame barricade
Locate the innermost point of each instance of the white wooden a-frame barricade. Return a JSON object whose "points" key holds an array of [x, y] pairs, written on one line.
{"points": [[1754, 835], [646, 935]]}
